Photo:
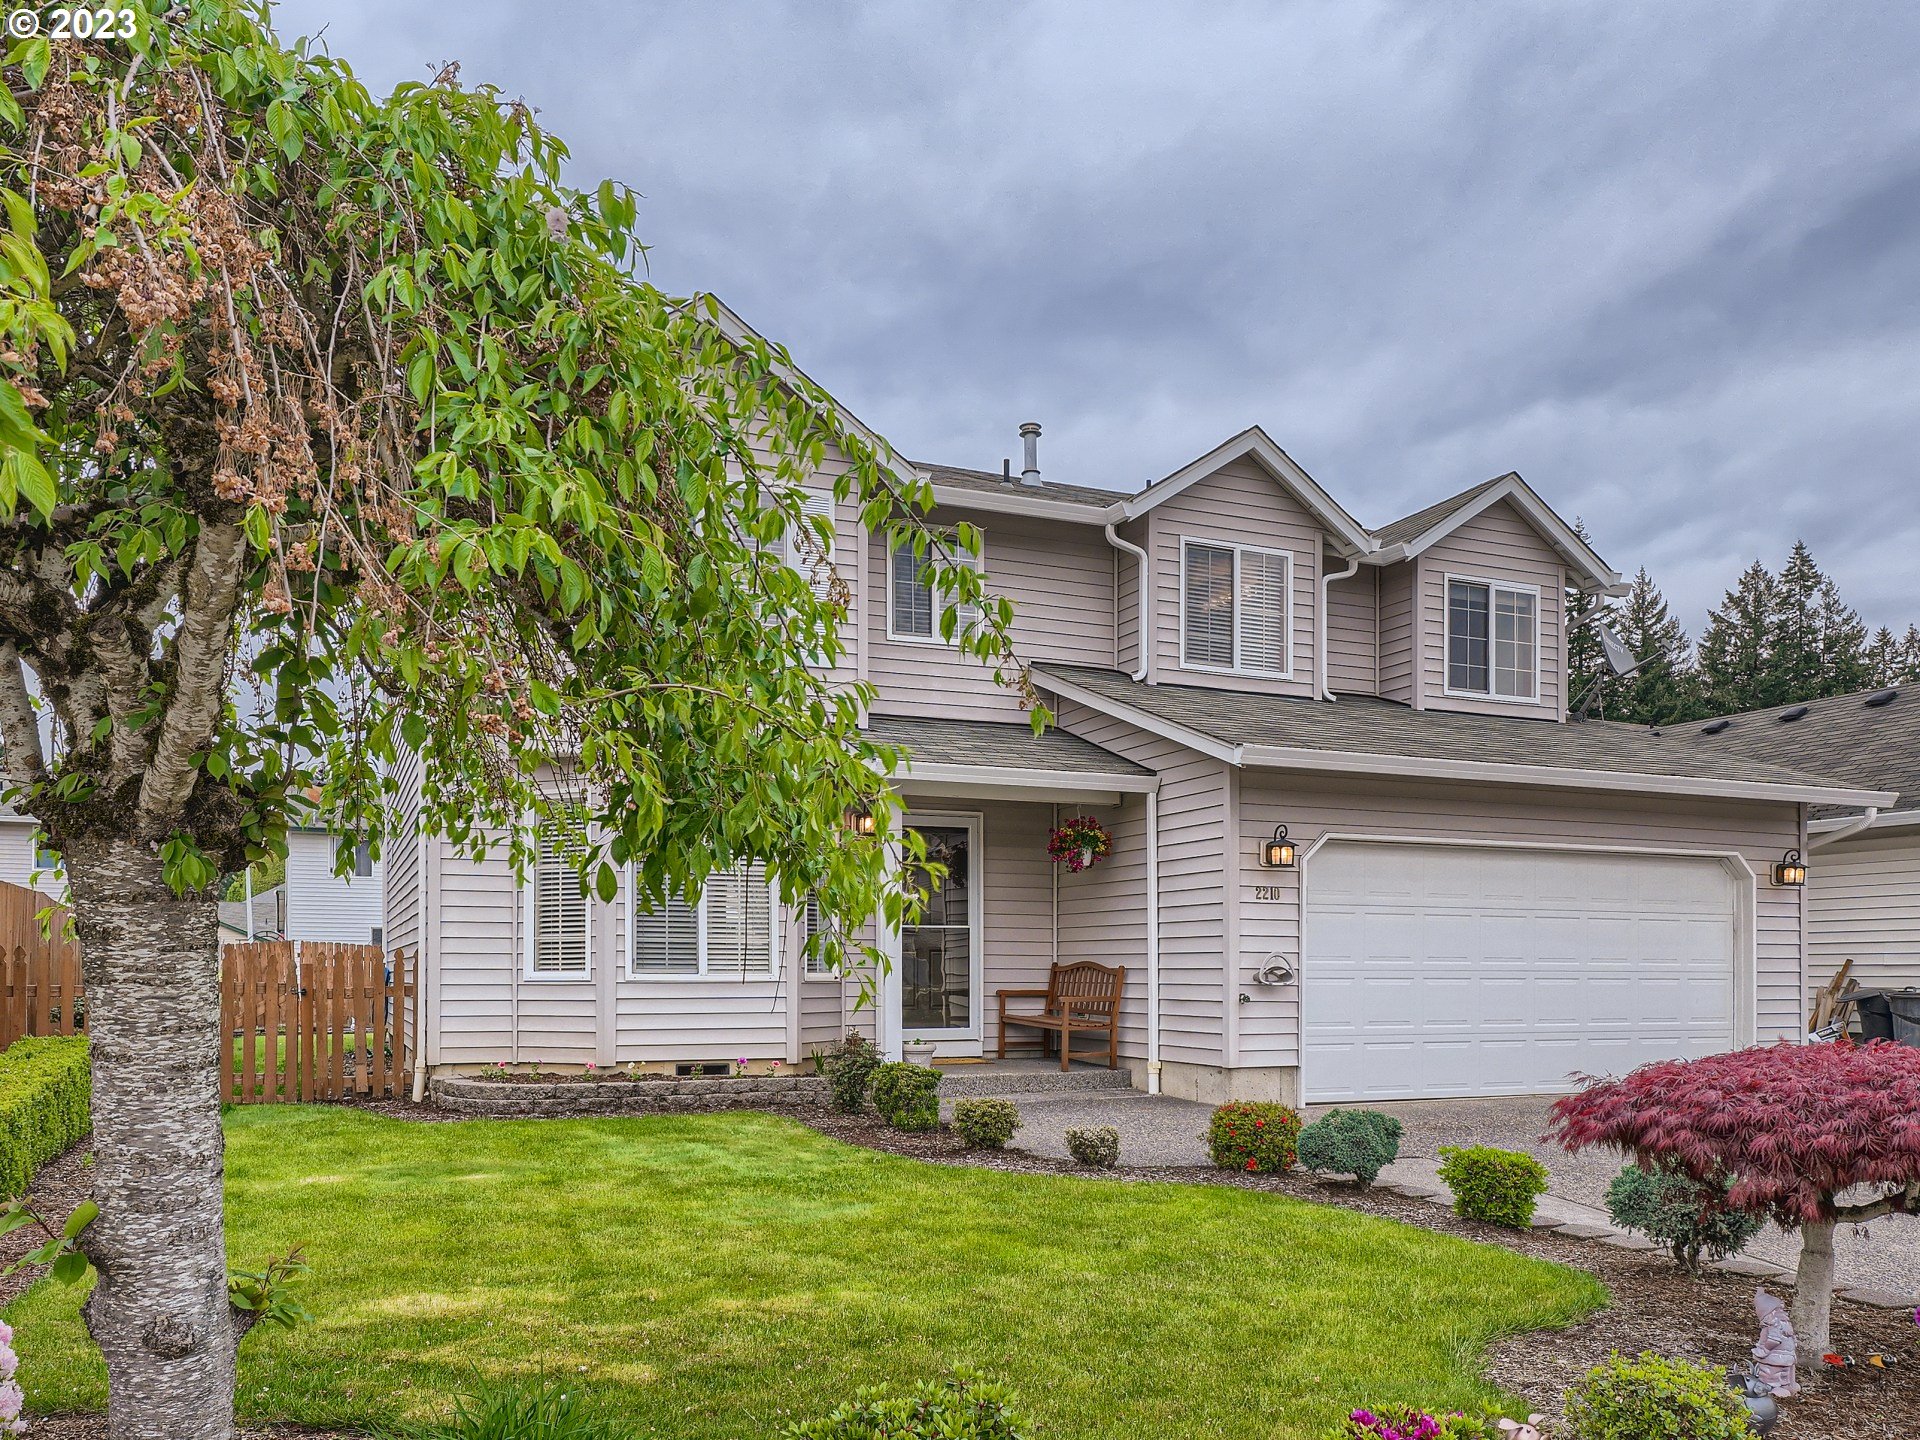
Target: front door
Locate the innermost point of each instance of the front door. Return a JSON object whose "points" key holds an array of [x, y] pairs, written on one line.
{"points": [[939, 985]]}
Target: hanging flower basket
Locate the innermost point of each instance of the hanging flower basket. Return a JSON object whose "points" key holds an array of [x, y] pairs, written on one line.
{"points": [[1079, 843]]}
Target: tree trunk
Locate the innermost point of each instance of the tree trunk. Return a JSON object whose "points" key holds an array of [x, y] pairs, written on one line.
{"points": [[159, 1309], [1813, 1294]]}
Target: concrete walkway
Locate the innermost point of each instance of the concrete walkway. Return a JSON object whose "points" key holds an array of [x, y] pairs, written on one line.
{"points": [[1876, 1264]]}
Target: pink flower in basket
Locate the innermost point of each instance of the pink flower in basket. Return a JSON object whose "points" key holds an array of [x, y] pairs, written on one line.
{"points": [[1080, 843]]}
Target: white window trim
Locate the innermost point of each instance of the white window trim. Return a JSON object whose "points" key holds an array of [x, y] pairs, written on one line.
{"points": [[629, 897], [1494, 587], [975, 562], [1286, 557], [529, 925], [801, 957]]}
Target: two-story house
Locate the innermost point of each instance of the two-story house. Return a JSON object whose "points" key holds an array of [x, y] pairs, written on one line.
{"points": [[1481, 895]]}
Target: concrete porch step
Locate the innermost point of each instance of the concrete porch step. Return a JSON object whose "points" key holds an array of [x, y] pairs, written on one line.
{"points": [[1027, 1077]]}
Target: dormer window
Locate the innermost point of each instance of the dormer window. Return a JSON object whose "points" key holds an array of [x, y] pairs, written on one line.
{"points": [[1493, 640], [1236, 609]]}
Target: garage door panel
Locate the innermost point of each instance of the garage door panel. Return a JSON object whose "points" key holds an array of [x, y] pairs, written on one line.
{"points": [[1451, 970]]}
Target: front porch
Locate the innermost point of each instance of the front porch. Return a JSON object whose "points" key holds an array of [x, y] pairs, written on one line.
{"points": [[984, 798]]}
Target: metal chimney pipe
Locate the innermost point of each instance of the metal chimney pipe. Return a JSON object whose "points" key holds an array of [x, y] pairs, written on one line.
{"points": [[1030, 472]]}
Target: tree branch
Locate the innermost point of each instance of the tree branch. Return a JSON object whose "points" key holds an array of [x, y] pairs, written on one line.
{"points": [[211, 596], [1901, 1202], [20, 749]]}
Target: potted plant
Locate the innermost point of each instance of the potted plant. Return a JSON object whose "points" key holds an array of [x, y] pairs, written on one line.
{"points": [[1079, 843], [919, 1052]]}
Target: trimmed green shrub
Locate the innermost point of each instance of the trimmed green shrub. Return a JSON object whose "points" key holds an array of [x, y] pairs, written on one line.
{"points": [[1098, 1146], [907, 1096], [1491, 1184], [849, 1070], [1623, 1399], [1360, 1143], [963, 1408], [986, 1124], [46, 1094], [1668, 1205], [514, 1410], [1254, 1136]]}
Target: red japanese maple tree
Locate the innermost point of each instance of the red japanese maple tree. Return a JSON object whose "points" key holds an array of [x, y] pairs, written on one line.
{"points": [[1812, 1135]]}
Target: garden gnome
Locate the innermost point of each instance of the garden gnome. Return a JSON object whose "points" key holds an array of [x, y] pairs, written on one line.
{"points": [[1773, 1357], [1530, 1430]]}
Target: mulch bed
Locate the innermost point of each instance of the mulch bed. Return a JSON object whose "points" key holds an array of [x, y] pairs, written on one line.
{"points": [[1654, 1306]]}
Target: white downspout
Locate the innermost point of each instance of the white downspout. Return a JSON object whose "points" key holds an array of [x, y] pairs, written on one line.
{"points": [[1320, 625], [1113, 539], [1153, 942], [1852, 827]]}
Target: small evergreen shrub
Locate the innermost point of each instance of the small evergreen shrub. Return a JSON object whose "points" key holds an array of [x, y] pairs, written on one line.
{"points": [[1098, 1146], [986, 1124], [1491, 1184], [1254, 1136], [963, 1408], [1670, 1206], [1399, 1423], [907, 1096], [46, 1095], [1625, 1399], [849, 1070], [1360, 1143]]}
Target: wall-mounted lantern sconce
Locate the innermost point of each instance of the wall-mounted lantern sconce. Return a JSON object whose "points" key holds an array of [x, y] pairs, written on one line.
{"points": [[1791, 870], [861, 820], [1278, 853]]}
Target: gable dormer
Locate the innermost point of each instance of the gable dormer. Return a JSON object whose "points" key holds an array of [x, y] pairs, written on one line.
{"points": [[1471, 603]]}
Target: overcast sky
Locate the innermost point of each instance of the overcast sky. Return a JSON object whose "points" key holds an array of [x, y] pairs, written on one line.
{"points": [[1661, 259]]}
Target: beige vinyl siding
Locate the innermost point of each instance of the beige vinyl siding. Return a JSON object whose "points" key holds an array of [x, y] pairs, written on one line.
{"points": [[1240, 504], [1060, 579], [1863, 904], [1017, 914], [475, 954], [1103, 913], [1353, 632], [1397, 589], [1497, 544], [1311, 807], [1194, 918], [848, 537], [324, 906]]}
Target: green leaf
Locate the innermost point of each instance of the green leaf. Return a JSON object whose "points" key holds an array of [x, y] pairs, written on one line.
{"points": [[607, 883], [71, 1268], [82, 1217]]}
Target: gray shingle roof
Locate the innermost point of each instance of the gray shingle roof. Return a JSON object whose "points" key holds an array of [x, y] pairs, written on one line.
{"points": [[1365, 725], [1412, 527], [1874, 747], [993, 482], [985, 742]]}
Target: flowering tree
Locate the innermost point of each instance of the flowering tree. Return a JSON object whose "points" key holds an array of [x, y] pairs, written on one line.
{"points": [[337, 441], [1796, 1127]]}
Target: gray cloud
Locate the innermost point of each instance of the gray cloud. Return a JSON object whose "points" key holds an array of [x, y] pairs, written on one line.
{"points": [[1659, 259]]}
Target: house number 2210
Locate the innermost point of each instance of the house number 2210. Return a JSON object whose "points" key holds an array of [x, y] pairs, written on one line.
{"points": [[1269, 892]]}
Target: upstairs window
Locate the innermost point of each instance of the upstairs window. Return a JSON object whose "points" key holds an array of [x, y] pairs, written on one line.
{"points": [[362, 858], [557, 918], [914, 603], [729, 932], [1236, 608], [807, 550], [1493, 640]]}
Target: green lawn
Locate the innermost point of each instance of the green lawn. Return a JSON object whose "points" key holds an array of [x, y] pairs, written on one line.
{"points": [[713, 1276]]}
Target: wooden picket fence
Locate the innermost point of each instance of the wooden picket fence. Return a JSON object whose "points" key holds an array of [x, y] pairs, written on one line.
{"points": [[40, 990], [318, 1023]]}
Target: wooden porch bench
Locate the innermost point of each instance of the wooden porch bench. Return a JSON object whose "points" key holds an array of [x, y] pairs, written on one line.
{"points": [[1080, 999]]}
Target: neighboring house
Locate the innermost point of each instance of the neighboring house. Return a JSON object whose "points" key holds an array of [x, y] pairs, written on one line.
{"points": [[1863, 867], [325, 905], [269, 917], [22, 859], [1486, 898]]}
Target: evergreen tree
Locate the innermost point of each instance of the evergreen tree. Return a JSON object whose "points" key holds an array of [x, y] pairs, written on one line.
{"points": [[1844, 666], [1910, 654], [1797, 661], [1666, 686], [1592, 686], [1885, 658], [1737, 652]]}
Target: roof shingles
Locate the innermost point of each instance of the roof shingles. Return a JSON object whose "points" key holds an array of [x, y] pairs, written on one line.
{"points": [[996, 745], [1874, 747]]}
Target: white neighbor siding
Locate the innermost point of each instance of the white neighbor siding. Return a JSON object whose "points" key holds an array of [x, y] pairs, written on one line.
{"points": [[1863, 902], [324, 906]]}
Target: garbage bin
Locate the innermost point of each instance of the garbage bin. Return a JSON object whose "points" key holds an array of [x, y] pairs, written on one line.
{"points": [[1889, 1015]]}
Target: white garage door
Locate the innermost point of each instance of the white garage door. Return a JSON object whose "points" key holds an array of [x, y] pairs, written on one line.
{"points": [[1449, 970]]}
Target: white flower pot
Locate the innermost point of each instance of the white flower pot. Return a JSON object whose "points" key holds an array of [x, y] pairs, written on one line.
{"points": [[1086, 856], [921, 1052]]}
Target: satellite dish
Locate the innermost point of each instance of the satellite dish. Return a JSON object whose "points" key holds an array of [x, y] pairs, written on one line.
{"points": [[1619, 658]]}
